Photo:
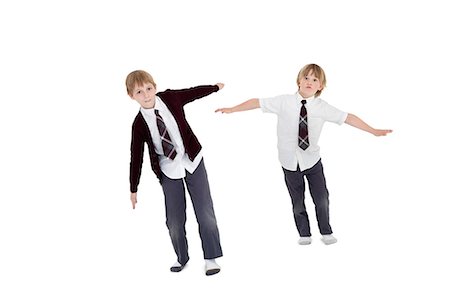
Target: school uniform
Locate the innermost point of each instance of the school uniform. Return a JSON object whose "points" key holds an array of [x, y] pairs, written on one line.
{"points": [[187, 166], [298, 163]]}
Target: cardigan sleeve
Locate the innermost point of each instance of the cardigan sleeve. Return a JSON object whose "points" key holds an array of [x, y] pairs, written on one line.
{"points": [[184, 96], [137, 154]]}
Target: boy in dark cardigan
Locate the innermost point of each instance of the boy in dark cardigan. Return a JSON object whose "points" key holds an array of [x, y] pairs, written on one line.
{"points": [[176, 157]]}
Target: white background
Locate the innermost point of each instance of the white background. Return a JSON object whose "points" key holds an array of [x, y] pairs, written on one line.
{"points": [[67, 229]]}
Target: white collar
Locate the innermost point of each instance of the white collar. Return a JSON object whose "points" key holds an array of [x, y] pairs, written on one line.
{"points": [[299, 96], [158, 105]]}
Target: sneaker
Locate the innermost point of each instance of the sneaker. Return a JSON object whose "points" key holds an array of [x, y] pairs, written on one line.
{"points": [[305, 240], [328, 239]]}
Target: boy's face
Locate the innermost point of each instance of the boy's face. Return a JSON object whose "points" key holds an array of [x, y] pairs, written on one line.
{"points": [[144, 95], [309, 85]]}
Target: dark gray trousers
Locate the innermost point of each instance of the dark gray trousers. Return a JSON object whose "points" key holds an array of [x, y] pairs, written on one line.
{"points": [[318, 189], [175, 198]]}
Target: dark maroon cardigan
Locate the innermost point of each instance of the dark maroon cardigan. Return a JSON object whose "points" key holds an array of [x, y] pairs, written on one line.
{"points": [[174, 100]]}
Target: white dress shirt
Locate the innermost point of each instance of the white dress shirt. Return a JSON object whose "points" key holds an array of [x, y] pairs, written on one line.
{"points": [[287, 108], [176, 168]]}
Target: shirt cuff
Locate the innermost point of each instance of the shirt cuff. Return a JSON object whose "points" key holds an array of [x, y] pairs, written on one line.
{"points": [[344, 117], [263, 106]]}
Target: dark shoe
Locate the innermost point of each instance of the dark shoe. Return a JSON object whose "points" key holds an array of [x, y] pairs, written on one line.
{"points": [[212, 271], [177, 267]]}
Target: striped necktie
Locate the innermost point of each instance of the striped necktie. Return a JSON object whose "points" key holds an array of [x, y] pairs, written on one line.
{"points": [[167, 144], [303, 141]]}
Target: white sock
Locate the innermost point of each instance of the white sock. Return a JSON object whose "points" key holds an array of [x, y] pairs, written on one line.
{"points": [[211, 267], [305, 240], [211, 264], [328, 239], [177, 264]]}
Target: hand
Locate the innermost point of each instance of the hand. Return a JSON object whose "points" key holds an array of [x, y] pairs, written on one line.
{"points": [[133, 199], [225, 110], [220, 85], [378, 132]]}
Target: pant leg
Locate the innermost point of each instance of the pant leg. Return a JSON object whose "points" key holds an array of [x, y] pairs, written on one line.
{"points": [[198, 187], [296, 187], [320, 196], [175, 199]]}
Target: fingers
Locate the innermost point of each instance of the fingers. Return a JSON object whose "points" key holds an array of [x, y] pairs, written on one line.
{"points": [[223, 110], [133, 199], [383, 132]]}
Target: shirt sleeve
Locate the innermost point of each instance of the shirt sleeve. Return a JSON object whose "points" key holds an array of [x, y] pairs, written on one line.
{"points": [[271, 105], [332, 114]]}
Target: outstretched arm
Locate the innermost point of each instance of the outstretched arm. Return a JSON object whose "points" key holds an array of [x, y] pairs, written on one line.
{"points": [[356, 122], [247, 105], [187, 95]]}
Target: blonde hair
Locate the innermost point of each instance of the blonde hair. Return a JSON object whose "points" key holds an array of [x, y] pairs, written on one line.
{"points": [[317, 71], [138, 78]]}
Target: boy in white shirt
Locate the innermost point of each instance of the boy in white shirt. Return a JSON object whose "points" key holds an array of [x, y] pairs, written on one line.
{"points": [[300, 120]]}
